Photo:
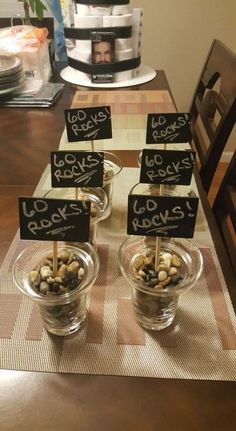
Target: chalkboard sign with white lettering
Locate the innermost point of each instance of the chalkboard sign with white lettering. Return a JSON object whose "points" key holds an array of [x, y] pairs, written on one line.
{"points": [[88, 124], [77, 169], [161, 216], [168, 128], [167, 167], [54, 219]]}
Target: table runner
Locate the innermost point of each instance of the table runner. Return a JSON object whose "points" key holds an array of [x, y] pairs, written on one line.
{"points": [[201, 344]]}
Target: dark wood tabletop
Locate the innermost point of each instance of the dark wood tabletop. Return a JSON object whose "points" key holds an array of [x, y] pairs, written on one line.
{"points": [[39, 401]]}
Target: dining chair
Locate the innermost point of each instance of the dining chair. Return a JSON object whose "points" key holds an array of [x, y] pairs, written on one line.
{"points": [[213, 110], [224, 209]]}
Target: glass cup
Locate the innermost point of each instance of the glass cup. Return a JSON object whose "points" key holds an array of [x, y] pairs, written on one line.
{"points": [[61, 297], [155, 294], [99, 204], [112, 168]]}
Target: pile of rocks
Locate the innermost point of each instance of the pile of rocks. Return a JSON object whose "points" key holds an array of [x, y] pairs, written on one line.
{"points": [[70, 273], [166, 274]]}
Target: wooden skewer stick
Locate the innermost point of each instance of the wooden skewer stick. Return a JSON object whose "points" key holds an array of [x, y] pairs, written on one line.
{"points": [[158, 239], [76, 193], [54, 258], [157, 252]]}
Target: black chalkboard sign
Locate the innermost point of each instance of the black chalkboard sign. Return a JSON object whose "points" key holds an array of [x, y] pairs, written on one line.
{"points": [[77, 169], [167, 167], [161, 216], [54, 219], [88, 124], [168, 128]]}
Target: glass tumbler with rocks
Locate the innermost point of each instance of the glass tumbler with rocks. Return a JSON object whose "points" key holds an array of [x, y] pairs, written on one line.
{"points": [[156, 288], [112, 168], [99, 204], [61, 296]]}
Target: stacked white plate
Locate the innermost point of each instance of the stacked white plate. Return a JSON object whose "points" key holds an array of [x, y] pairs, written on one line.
{"points": [[11, 74]]}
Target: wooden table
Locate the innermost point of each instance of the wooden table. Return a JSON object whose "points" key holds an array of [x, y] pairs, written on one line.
{"points": [[38, 401]]}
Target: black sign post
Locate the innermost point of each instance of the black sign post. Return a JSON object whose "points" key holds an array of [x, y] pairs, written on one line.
{"points": [[162, 216], [77, 169], [88, 124], [167, 167], [54, 219], [168, 128]]}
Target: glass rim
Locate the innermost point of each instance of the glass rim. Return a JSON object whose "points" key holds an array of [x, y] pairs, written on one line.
{"points": [[57, 299], [167, 292], [112, 157], [101, 211], [116, 160], [168, 189]]}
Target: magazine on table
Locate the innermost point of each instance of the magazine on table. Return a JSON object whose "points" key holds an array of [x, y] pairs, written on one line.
{"points": [[45, 97]]}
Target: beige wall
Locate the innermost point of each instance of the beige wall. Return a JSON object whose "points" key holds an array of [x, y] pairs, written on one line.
{"points": [[177, 35]]}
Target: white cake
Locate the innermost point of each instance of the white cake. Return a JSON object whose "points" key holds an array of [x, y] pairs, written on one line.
{"points": [[111, 21]]}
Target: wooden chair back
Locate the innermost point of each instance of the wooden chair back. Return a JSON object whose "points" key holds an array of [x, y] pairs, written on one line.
{"points": [[224, 209], [213, 109]]}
